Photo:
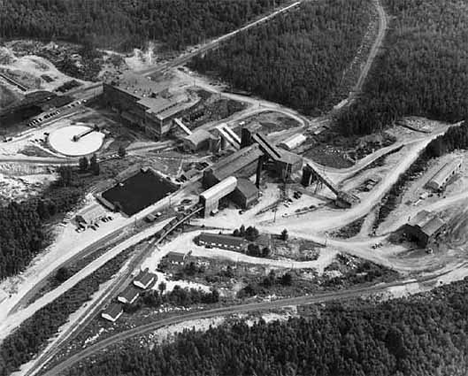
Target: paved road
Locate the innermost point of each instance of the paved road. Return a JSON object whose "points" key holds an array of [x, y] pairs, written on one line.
{"points": [[302, 300]]}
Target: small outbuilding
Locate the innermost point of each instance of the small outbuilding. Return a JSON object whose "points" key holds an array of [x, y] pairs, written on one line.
{"points": [[112, 312], [129, 295], [144, 279], [176, 258], [91, 215]]}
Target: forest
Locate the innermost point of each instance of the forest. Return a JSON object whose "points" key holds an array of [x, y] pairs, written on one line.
{"points": [[124, 25], [422, 71], [298, 59], [416, 336], [24, 230]]}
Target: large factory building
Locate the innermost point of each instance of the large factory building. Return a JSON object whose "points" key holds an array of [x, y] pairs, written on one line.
{"points": [[149, 104]]}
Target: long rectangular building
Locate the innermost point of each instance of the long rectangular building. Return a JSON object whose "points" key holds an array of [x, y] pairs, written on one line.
{"points": [[242, 163], [441, 178]]}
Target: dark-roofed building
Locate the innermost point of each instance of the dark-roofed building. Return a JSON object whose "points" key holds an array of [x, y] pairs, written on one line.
{"points": [[246, 193], [129, 295], [176, 258], [144, 279], [222, 241], [149, 103], [424, 228], [112, 312], [242, 163]]}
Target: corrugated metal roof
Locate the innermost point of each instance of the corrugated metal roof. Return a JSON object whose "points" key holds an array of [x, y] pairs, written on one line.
{"points": [[221, 189], [440, 177], [294, 141]]}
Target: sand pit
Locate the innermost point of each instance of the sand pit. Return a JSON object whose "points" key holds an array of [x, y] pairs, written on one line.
{"points": [[63, 140]]}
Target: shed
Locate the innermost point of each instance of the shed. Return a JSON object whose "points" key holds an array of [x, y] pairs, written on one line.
{"points": [[112, 312]]}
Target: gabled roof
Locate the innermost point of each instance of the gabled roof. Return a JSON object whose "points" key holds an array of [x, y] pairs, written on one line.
{"points": [[113, 310], [222, 238], [129, 294], [144, 277], [246, 187], [176, 256], [198, 136], [428, 222]]}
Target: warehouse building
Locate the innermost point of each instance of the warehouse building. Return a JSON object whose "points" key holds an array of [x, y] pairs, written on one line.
{"points": [[113, 312], [129, 295], [293, 142], [211, 197], [441, 178], [144, 279], [424, 228], [149, 104], [222, 241], [242, 163]]}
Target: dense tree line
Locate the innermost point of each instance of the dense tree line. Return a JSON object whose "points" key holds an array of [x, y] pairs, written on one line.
{"points": [[454, 138], [298, 59], [417, 336], [23, 225], [421, 72], [127, 24]]}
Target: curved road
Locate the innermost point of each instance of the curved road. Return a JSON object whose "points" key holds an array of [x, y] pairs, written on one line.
{"points": [[249, 307]]}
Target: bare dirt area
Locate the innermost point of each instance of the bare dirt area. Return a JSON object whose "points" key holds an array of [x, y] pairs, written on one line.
{"points": [[16, 188], [333, 150], [31, 64]]}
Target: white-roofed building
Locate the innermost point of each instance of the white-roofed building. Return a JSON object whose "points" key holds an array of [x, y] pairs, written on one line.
{"points": [[210, 198], [293, 142], [441, 178]]}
